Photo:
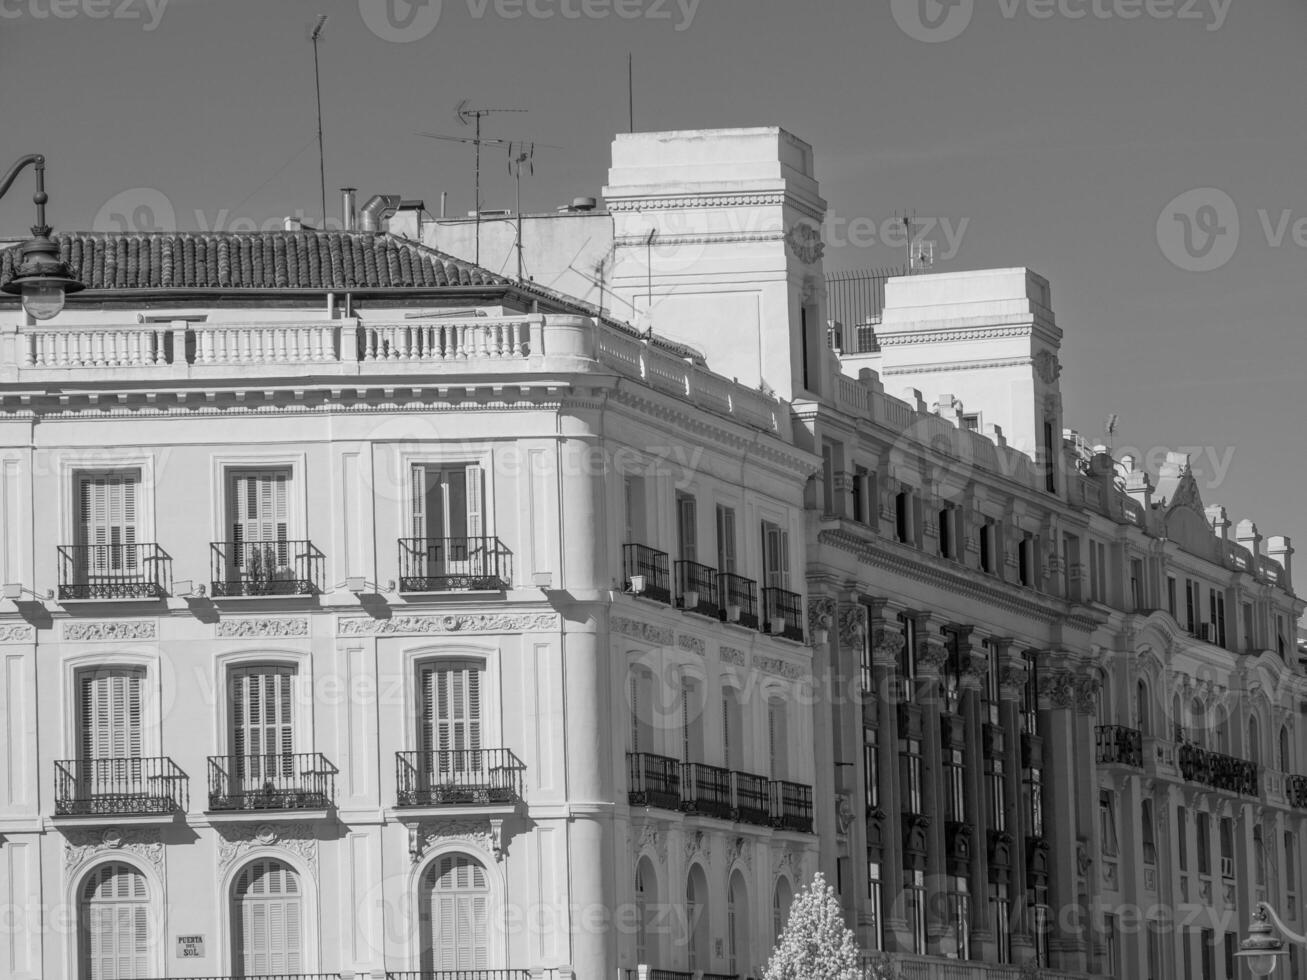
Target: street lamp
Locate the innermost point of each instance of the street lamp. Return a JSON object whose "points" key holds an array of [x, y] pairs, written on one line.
{"points": [[1262, 950], [40, 277]]}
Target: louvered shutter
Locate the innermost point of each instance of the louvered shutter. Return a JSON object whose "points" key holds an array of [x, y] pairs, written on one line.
{"points": [[110, 714], [685, 723], [460, 910], [726, 540], [261, 513], [451, 714], [418, 500], [107, 520], [635, 713], [474, 516], [269, 913], [262, 720], [687, 527], [776, 559], [115, 925]]}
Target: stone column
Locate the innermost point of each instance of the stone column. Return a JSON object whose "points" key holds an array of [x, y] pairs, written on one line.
{"points": [[1088, 847], [932, 652], [1012, 685], [886, 644], [1067, 944], [975, 674]]}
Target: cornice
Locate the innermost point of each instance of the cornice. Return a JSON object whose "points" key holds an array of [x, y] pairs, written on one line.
{"points": [[724, 238], [740, 199], [887, 337], [935, 367]]}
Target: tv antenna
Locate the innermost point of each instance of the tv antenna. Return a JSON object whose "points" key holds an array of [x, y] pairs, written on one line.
{"points": [[521, 156], [471, 116], [315, 35], [1110, 427]]}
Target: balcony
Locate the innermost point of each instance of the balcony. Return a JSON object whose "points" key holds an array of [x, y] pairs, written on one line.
{"points": [[1119, 746], [458, 777], [706, 790], [454, 565], [114, 571], [791, 807], [696, 588], [460, 974], [914, 967], [752, 799], [266, 568], [123, 787], [300, 781], [655, 781], [783, 612], [1295, 790], [739, 598], [1221, 772], [642, 565]]}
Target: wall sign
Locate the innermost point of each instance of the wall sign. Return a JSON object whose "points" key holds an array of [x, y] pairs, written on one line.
{"points": [[190, 947]]}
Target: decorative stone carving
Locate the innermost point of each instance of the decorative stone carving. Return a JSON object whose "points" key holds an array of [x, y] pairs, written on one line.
{"points": [[1056, 688], [931, 654], [852, 624], [786, 863], [739, 849], [692, 643], [141, 842], [232, 628], [17, 633], [460, 623], [805, 242], [1047, 366], [886, 645], [1086, 693], [975, 668], [141, 629], [655, 840], [642, 631], [843, 812], [730, 655], [1012, 678], [237, 839], [697, 843], [821, 615], [774, 665], [486, 834]]}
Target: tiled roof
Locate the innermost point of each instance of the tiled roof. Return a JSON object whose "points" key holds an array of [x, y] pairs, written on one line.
{"points": [[320, 260]]}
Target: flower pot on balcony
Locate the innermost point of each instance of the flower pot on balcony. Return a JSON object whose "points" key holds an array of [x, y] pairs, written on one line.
{"points": [[777, 626], [732, 614], [691, 600], [637, 584]]}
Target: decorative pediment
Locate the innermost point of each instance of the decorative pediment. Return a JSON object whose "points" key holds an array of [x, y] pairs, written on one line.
{"points": [[140, 842], [485, 834], [234, 840]]}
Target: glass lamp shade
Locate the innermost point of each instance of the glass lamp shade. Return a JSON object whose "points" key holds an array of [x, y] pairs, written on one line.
{"points": [[43, 299]]}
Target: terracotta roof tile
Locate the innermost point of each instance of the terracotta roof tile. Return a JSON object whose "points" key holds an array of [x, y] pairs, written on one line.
{"points": [[272, 260]]}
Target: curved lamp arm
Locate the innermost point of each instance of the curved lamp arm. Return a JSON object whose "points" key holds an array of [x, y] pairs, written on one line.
{"points": [[36, 160], [1279, 924]]}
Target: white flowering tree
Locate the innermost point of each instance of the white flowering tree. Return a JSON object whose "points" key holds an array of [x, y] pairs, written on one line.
{"points": [[815, 944]]}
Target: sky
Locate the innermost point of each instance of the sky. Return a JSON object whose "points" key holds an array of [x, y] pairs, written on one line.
{"points": [[1143, 155]]}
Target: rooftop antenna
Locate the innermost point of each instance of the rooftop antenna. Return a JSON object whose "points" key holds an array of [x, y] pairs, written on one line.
{"points": [[524, 156], [630, 92], [468, 115], [1113, 421], [909, 221], [315, 35]]}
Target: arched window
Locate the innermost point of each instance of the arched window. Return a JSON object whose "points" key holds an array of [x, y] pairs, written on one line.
{"points": [[737, 926], [780, 907], [115, 924], [1285, 763], [646, 900], [1196, 723], [1143, 717], [455, 915], [696, 908], [267, 920]]}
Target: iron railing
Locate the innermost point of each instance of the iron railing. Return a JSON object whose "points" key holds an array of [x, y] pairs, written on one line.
{"points": [[1223, 772], [454, 564], [457, 777], [696, 588], [458, 975], [114, 571], [739, 598], [783, 612], [1118, 745], [791, 806], [1295, 790], [651, 564], [752, 799], [855, 300], [129, 786], [272, 567], [288, 781], [706, 790], [262, 976], [655, 780]]}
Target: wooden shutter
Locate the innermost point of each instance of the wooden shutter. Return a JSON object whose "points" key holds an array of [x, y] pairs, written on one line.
{"points": [[262, 710], [687, 526], [451, 707], [635, 713], [268, 920], [474, 487], [260, 511], [106, 520], [115, 924], [776, 556], [459, 902], [110, 714], [726, 540], [418, 500], [726, 731]]}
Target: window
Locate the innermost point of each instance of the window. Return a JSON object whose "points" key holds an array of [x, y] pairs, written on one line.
{"points": [[863, 499], [997, 794], [1202, 823], [1148, 833], [780, 906], [1035, 795], [1231, 947], [696, 907], [948, 542], [106, 527], [1284, 761], [1259, 856], [1143, 717], [450, 726], [777, 741], [691, 722], [1191, 605], [114, 938], [1027, 561], [267, 920], [1170, 596], [725, 539], [732, 731], [447, 503], [1137, 584], [1001, 914], [634, 509], [915, 908], [959, 912], [1071, 567], [1098, 570], [776, 556], [988, 547], [258, 513], [1291, 864], [955, 776], [1043, 921], [109, 714], [910, 757], [1030, 696], [737, 925], [1111, 951], [1216, 607], [1182, 836], [1107, 823], [907, 665], [1209, 954], [871, 768], [875, 904], [687, 527], [642, 710], [262, 729], [905, 517], [1050, 458], [993, 687], [1254, 742], [1155, 950], [828, 478], [644, 876], [454, 915], [951, 677]]}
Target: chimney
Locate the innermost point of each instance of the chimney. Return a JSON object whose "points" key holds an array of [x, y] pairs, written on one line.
{"points": [[348, 212], [378, 208], [1280, 549], [1247, 535], [1137, 484], [1220, 523]]}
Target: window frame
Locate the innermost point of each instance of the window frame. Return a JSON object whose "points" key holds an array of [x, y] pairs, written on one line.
{"points": [[72, 465]]}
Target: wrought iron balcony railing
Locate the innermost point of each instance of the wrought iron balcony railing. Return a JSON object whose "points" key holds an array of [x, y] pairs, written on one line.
{"points": [[739, 598], [706, 790], [460, 974], [783, 612], [298, 781], [752, 799], [1223, 772], [791, 806], [1295, 790], [655, 780], [1119, 746], [457, 777], [263, 976], [696, 588], [650, 565], [454, 564], [114, 571], [272, 567], [129, 786]]}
